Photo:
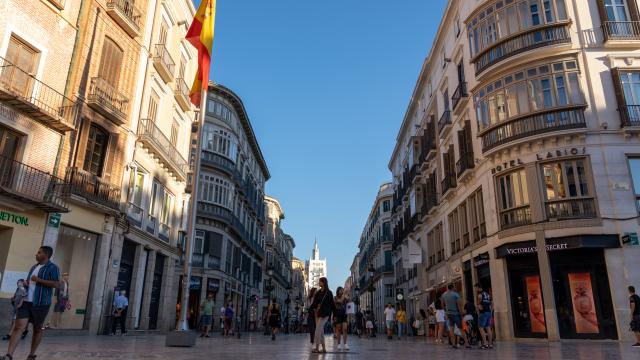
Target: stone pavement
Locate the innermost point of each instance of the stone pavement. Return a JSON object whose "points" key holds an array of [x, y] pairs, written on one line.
{"points": [[257, 346]]}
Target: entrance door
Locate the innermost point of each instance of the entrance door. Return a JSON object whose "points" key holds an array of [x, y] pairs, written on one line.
{"points": [[126, 266], [194, 301], [156, 288]]}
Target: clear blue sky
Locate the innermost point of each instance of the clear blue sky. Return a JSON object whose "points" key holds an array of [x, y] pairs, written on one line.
{"points": [[326, 85]]}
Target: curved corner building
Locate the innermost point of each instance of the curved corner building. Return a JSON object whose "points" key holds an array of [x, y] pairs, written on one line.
{"points": [[517, 165], [229, 242]]}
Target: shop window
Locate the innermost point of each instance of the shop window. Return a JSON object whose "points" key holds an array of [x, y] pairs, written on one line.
{"points": [[513, 199], [567, 190], [96, 150], [23, 61]]}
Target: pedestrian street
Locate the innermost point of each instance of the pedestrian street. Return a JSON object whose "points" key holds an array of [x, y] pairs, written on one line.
{"points": [[257, 346]]}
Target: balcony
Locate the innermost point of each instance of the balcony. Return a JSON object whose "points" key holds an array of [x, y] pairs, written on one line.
{"points": [[533, 124], [220, 162], [127, 15], [35, 98], [621, 30], [444, 124], [108, 101], [163, 62], [197, 260], [413, 172], [158, 144], [533, 38], [181, 93], [430, 201], [135, 213], [30, 186], [459, 94], [466, 162], [92, 188], [630, 115], [448, 183], [571, 209], [515, 217], [59, 4]]}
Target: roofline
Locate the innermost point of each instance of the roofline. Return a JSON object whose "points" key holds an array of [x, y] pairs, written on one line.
{"points": [[427, 61], [379, 197], [244, 120], [289, 237], [277, 203]]}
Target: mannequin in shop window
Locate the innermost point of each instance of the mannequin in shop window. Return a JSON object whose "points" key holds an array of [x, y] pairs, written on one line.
{"points": [[62, 301]]}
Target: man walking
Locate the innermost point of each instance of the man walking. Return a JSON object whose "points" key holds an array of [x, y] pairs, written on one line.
{"points": [[120, 305], [634, 301], [390, 317], [485, 307], [228, 319], [43, 278], [206, 322], [451, 302]]}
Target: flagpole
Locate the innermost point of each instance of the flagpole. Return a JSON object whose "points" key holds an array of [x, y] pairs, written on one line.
{"points": [[186, 271]]}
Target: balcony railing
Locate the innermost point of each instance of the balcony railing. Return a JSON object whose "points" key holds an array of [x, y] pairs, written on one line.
{"points": [[466, 162], [108, 101], [571, 209], [163, 62], [35, 98], [533, 124], [221, 163], [515, 217], [31, 186], [621, 30], [181, 93], [459, 94], [126, 14], [630, 115], [197, 260], [159, 144], [135, 213], [448, 183], [430, 201], [58, 3], [444, 122], [533, 38], [92, 188]]}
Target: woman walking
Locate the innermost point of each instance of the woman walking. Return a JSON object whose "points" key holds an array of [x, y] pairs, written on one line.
{"points": [[311, 316], [401, 319], [439, 319], [274, 318], [340, 318], [323, 306]]}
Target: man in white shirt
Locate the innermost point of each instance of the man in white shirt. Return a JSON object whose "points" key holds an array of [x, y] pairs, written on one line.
{"points": [[390, 317]]}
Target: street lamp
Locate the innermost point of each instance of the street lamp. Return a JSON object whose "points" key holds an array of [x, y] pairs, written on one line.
{"points": [[269, 288], [371, 289]]}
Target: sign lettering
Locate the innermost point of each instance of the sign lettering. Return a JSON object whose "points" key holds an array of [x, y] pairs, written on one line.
{"points": [[533, 249], [561, 153], [13, 218]]}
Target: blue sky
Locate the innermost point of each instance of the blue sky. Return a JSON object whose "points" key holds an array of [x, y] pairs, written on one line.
{"points": [[326, 85]]}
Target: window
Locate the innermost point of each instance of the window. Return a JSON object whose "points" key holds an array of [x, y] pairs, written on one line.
{"points": [[435, 245], [9, 142], [216, 190], [24, 58], [454, 232], [567, 190], [136, 188], [175, 130], [164, 31], [198, 242], [634, 167], [152, 111], [412, 202], [386, 206], [156, 190], [513, 199], [165, 212], [96, 150], [631, 87], [110, 62], [220, 141], [616, 10]]}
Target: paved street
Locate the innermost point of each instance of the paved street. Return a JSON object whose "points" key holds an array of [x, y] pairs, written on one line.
{"points": [[255, 346]]}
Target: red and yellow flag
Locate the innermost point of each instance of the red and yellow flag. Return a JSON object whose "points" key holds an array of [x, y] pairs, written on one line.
{"points": [[200, 35]]}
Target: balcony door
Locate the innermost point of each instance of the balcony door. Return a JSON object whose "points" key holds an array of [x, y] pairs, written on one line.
{"points": [[617, 10], [9, 142], [18, 75], [96, 150]]}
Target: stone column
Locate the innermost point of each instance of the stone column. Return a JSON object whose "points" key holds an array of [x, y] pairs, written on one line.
{"points": [[546, 282], [148, 287], [169, 296], [112, 253], [99, 290], [501, 298]]}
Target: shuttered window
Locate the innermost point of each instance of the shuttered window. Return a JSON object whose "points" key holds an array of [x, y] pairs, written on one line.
{"points": [[24, 58], [110, 62], [96, 150], [152, 112]]}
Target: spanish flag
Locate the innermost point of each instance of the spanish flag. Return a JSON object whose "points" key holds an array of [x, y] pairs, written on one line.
{"points": [[200, 35]]}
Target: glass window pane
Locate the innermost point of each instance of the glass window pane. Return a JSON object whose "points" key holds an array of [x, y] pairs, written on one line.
{"points": [[571, 181], [547, 173], [634, 167], [582, 178]]}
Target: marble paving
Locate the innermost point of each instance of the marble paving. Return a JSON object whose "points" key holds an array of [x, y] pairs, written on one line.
{"points": [[257, 346]]}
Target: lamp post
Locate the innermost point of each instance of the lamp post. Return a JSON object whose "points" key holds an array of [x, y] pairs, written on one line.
{"points": [[269, 288], [371, 288]]}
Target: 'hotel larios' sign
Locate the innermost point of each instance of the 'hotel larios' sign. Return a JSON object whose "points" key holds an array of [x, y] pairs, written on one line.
{"points": [[13, 218], [539, 157]]}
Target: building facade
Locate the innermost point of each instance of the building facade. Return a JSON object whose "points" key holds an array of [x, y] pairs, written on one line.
{"points": [[298, 283], [374, 280], [229, 247], [516, 165], [316, 267]]}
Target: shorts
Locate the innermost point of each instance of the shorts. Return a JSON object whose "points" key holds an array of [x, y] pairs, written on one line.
{"points": [[390, 324], [440, 316], [206, 320], [274, 321], [635, 324], [484, 320], [369, 324], [227, 324], [35, 313], [455, 319]]}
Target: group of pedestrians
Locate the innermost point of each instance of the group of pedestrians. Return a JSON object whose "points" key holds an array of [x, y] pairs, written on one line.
{"points": [[322, 306]]}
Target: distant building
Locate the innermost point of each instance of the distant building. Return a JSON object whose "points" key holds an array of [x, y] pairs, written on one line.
{"points": [[316, 268]]}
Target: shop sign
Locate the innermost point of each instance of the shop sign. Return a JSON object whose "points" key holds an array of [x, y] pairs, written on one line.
{"points": [[561, 153], [195, 283], [54, 220], [631, 239], [506, 165], [81, 311], [213, 285], [532, 249], [13, 218], [481, 259]]}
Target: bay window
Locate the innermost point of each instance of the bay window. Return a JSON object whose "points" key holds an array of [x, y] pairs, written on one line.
{"points": [[216, 190], [567, 190], [513, 199], [219, 141]]}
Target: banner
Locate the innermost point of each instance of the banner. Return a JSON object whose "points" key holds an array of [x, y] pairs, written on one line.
{"points": [[415, 252], [404, 250], [536, 305], [584, 310]]}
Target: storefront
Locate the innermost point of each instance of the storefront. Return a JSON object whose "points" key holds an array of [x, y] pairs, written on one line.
{"points": [[581, 291]]}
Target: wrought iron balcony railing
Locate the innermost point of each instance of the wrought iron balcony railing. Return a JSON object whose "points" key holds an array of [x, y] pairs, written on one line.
{"points": [[93, 188], [515, 217], [108, 101], [466, 162], [160, 145], [459, 94], [448, 183], [621, 30], [630, 115], [163, 62], [571, 209], [126, 14], [181, 93], [444, 122], [31, 186], [35, 98]]}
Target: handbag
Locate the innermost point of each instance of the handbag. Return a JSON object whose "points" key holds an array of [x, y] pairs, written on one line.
{"points": [[317, 310]]}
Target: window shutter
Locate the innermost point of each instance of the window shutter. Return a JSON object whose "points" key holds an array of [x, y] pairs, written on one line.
{"points": [[602, 11], [452, 162], [617, 87], [633, 10], [468, 137], [445, 164], [111, 167], [110, 62], [462, 143]]}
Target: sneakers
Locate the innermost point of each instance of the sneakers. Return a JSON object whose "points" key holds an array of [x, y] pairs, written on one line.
{"points": [[346, 347], [339, 347], [636, 345]]}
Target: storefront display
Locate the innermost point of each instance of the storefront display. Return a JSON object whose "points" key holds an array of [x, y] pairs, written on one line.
{"points": [[536, 304], [583, 306]]}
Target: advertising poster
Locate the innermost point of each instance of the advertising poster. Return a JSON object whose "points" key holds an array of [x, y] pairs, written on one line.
{"points": [[536, 306], [584, 310]]}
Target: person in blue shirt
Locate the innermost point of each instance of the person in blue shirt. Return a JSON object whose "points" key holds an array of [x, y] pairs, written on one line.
{"points": [[228, 319], [43, 278], [120, 305]]}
